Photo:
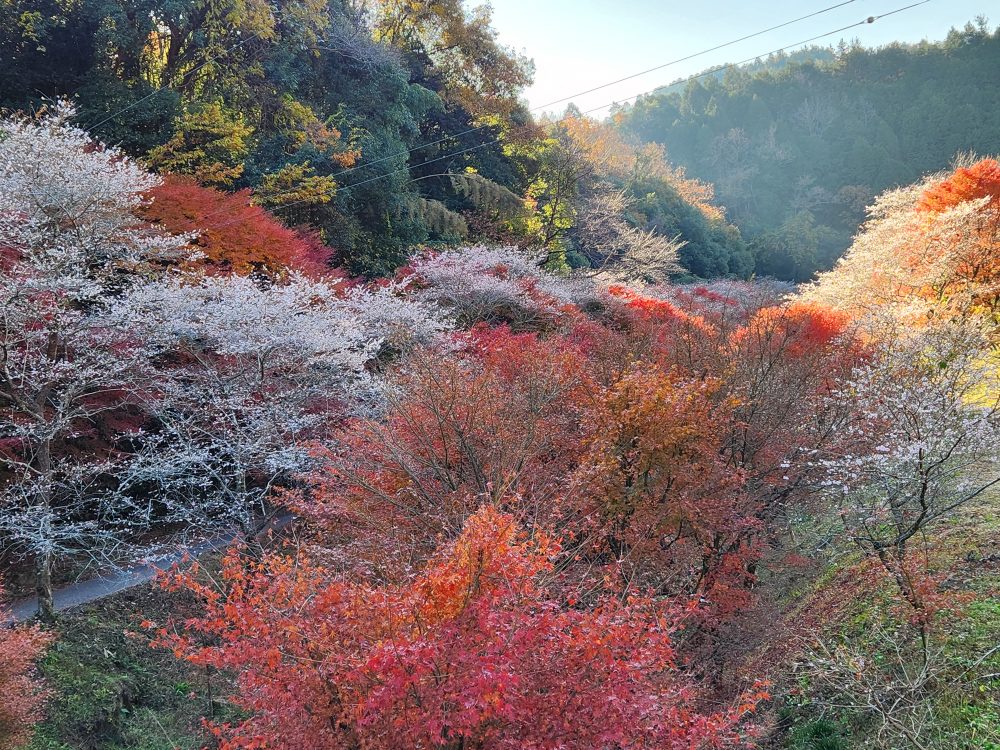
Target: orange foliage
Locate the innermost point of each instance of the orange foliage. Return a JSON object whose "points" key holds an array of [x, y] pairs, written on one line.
{"points": [[800, 328], [233, 234], [658, 493], [507, 550], [981, 180], [21, 696], [975, 249], [470, 651], [606, 151]]}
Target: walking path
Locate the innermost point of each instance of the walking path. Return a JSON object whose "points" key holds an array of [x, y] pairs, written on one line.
{"points": [[90, 590]]}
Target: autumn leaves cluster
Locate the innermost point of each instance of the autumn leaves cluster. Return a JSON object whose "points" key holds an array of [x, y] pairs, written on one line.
{"points": [[536, 540], [559, 519], [532, 510]]}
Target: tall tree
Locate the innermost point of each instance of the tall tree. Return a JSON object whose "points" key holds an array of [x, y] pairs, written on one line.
{"points": [[70, 243]]}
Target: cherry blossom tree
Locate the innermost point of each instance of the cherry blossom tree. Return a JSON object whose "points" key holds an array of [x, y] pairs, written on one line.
{"points": [[616, 248], [918, 441], [928, 250], [246, 373], [495, 286], [69, 244]]}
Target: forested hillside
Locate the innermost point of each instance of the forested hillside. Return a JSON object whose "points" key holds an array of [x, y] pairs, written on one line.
{"points": [[345, 406], [796, 150], [383, 125]]}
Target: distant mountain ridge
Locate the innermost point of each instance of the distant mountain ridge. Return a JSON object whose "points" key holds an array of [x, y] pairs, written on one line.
{"points": [[796, 150], [774, 62]]}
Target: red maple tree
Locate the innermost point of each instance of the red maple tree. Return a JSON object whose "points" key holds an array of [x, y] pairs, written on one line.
{"points": [[470, 651], [233, 234]]}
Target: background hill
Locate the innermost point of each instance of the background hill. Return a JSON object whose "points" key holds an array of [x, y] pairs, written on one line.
{"points": [[385, 126], [797, 151]]}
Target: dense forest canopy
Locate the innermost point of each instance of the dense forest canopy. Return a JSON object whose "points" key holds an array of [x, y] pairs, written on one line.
{"points": [[797, 148], [384, 125]]}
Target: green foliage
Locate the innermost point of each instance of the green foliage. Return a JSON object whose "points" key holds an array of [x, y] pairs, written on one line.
{"points": [[486, 195], [209, 143], [442, 223], [112, 692], [820, 734], [384, 125], [795, 249], [794, 145], [712, 246], [297, 99], [960, 703]]}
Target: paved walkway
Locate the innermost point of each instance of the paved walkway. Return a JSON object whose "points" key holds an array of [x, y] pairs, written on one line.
{"points": [[90, 590]]}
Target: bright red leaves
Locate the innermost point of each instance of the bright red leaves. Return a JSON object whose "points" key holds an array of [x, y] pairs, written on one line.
{"points": [[233, 234]]}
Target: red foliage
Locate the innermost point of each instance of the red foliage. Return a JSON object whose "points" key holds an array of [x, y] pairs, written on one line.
{"points": [[656, 310], [981, 180], [779, 367], [21, 693], [974, 251], [233, 234], [496, 423], [661, 331], [658, 494], [505, 552], [470, 652], [798, 329]]}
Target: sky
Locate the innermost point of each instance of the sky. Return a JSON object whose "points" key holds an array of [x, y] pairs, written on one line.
{"points": [[579, 44]]}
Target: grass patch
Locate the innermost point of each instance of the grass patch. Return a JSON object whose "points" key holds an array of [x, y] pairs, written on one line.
{"points": [[961, 703], [111, 691]]}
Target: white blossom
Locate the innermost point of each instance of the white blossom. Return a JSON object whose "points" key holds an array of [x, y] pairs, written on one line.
{"points": [[920, 436], [70, 244], [497, 285]]}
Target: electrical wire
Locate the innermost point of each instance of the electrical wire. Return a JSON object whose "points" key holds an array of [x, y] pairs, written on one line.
{"points": [[452, 136], [477, 128], [711, 71]]}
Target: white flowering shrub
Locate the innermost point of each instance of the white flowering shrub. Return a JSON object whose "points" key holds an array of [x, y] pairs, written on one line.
{"points": [[244, 374], [402, 320], [247, 375], [912, 264], [298, 324], [66, 208], [497, 285], [918, 437], [724, 300]]}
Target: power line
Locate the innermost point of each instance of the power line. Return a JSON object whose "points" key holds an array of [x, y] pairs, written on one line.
{"points": [[452, 136], [476, 129], [867, 21], [710, 71], [694, 55]]}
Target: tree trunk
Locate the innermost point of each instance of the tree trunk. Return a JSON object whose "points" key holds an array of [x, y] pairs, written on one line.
{"points": [[43, 587], [43, 565]]}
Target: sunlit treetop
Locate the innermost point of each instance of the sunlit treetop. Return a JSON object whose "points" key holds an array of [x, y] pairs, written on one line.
{"points": [[980, 180]]}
